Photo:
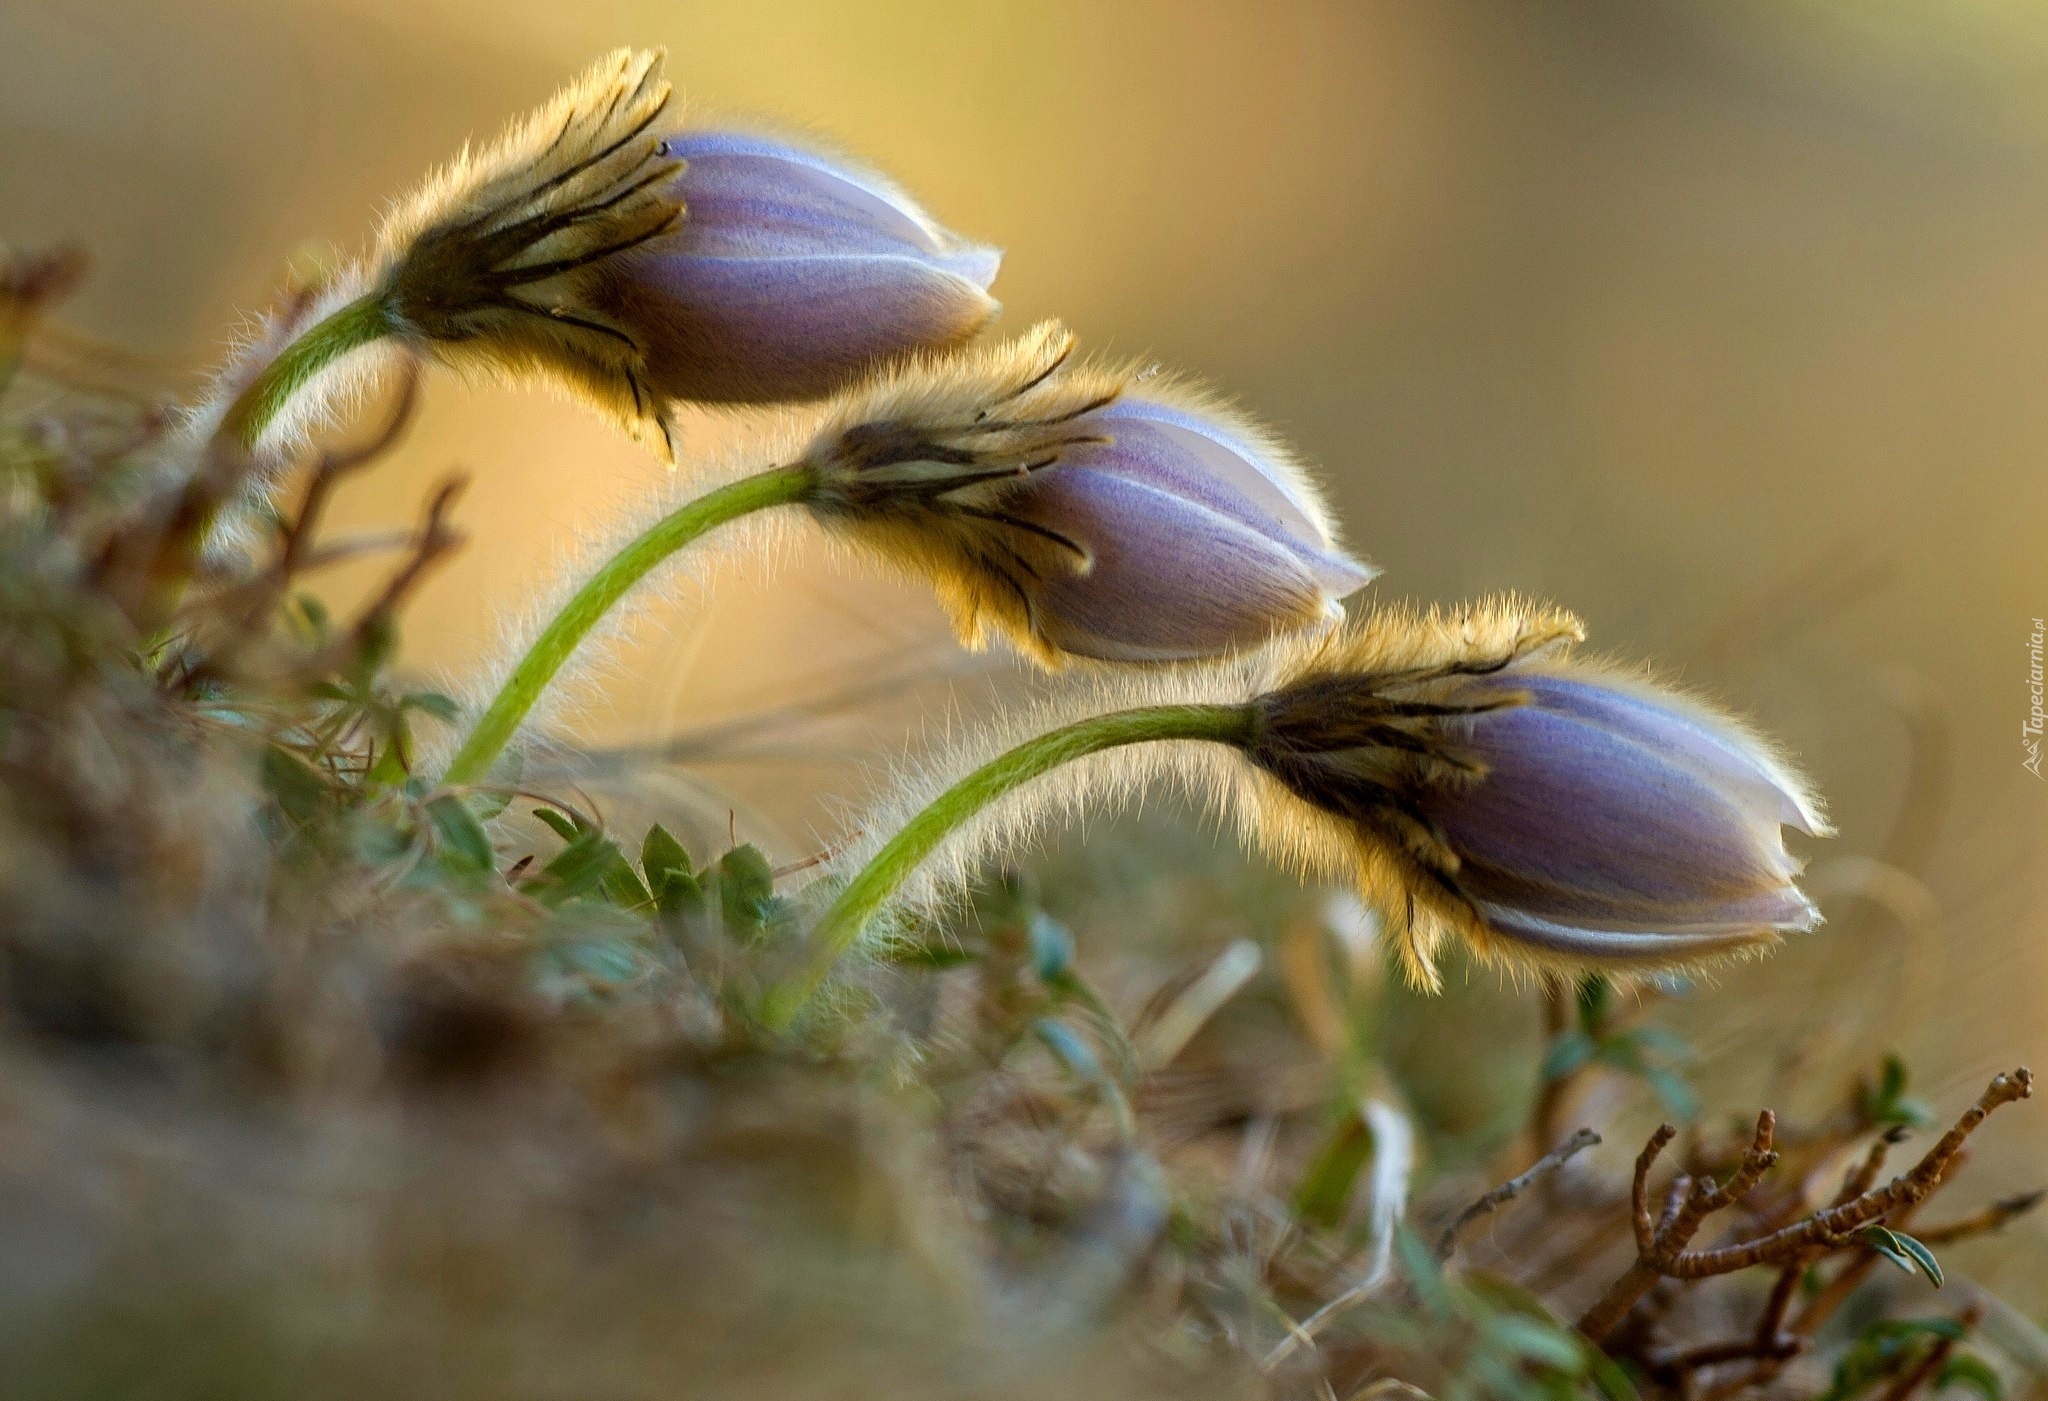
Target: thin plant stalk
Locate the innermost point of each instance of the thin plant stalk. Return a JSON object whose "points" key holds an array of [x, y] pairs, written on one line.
{"points": [[530, 678], [361, 322], [870, 889]]}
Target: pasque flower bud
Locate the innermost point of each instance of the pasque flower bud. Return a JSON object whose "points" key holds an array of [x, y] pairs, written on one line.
{"points": [[1551, 811], [790, 274], [1474, 780], [597, 243], [1080, 512], [500, 260]]}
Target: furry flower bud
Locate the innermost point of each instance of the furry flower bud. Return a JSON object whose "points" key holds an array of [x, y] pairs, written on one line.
{"points": [[790, 275], [1079, 513], [503, 258], [1553, 812], [640, 264]]}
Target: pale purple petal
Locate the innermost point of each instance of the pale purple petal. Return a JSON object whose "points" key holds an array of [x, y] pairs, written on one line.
{"points": [[749, 195], [741, 329], [1624, 948], [1225, 459], [1182, 455], [1719, 756], [1169, 577], [1580, 823], [789, 275]]}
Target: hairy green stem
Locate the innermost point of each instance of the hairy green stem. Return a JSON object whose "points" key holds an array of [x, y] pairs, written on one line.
{"points": [[352, 327], [870, 889], [495, 728]]}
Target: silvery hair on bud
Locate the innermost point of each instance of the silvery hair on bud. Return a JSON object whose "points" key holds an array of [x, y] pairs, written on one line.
{"points": [[949, 468], [484, 265], [1417, 909], [329, 398], [492, 260]]}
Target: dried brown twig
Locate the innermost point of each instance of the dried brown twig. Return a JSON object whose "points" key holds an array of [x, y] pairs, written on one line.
{"points": [[434, 541], [1514, 1187], [1661, 1246], [1991, 1218]]}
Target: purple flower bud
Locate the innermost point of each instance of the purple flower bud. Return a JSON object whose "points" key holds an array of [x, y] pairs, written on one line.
{"points": [[1078, 516], [789, 275], [1615, 820], [638, 266], [1187, 540], [1552, 812]]}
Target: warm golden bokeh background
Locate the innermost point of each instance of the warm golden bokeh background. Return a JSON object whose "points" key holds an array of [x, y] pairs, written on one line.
{"points": [[1725, 323]]}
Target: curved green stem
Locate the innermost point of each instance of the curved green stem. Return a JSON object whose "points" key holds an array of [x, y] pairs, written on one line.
{"points": [[871, 888], [350, 328], [495, 728]]}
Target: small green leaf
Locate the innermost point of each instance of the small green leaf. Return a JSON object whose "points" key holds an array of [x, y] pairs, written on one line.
{"points": [[1609, 1376], [1887, 1243], [746, 888], [1568, 1054], [1621, 1052], [433, 703], [559, 823], [1968, 1370], [1425, 1276], [309, 616], [1677, 1096], [376, 842], [1596, 994], [661, 856], [1052, 948], [394, 758], [380, 639], [1540, 1343], [459, 835], [1668, 1044], [621, 884], [679, 893], [1067, 1046], [1324, 1194], [666, 866], [591, 864], [1922, 1256], [487, 803], [298, 787], [1891, 1079]]}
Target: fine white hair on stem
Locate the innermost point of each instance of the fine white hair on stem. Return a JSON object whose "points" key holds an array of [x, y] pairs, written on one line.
{"points": [[329, 397], [1213, 775], [1326, 760], [764, 539]]}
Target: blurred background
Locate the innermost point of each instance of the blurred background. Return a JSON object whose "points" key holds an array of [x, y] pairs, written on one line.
{"points": [[1723, 323]]}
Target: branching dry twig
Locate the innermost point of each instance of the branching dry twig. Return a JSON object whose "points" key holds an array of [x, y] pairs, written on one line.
{"points": [[1514, 1187], [1661, 1248], [1978, 1223]]}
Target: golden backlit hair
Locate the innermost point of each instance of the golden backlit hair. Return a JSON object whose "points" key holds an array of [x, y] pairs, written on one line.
{"points": [[1417, 912], [991, 415], [564, 188]]}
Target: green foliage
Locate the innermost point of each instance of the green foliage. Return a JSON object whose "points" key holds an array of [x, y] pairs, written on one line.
{"points": [[1480, 1338], [1885, 1101], [1885, 1349], [1903, 1250], [1324, 1194], [1971, 1372], [1648, 1053]]}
